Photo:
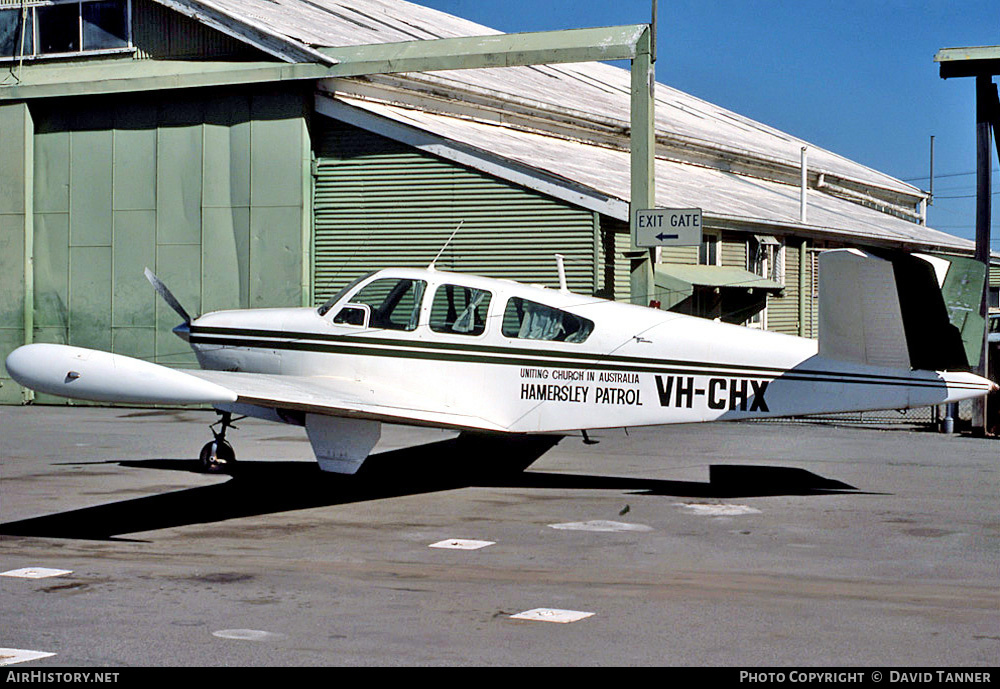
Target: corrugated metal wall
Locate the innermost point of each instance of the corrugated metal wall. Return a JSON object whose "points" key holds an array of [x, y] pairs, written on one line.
{"points": [[733, 249], [783, 311], [158, 32], [379, 204], [613, 269], [206, 189]]}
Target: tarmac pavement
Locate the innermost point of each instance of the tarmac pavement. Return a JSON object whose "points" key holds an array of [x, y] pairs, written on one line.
{"points": [[730, 544]]}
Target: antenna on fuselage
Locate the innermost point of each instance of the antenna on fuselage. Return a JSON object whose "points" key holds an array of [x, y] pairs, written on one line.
{"points": [[432, 266]]}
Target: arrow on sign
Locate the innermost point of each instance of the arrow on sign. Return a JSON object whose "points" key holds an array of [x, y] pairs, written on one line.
{"points": [[662, 236]]}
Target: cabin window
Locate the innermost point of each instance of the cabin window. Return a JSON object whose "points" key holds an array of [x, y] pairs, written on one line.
{"points": [[353, 314], [31, 30], [528, 320], [394, 302], [459, 310]]}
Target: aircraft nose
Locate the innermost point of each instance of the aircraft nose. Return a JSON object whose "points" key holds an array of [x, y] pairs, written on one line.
{"points": [[183, 331]]}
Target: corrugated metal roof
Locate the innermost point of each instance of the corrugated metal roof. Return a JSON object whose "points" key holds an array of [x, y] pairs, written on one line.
{"points": [[595, 91], [733, 167], [722, 195]]}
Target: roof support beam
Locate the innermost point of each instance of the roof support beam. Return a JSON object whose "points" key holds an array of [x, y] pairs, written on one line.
{"points": [[642, 144], [475, 52], [631, 42]]}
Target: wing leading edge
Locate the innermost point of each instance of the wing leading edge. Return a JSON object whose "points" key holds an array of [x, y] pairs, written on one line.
{"points": [[339, 397]]}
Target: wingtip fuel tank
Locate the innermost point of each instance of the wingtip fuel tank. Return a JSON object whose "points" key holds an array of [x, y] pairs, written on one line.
{"points": [[89, 374]]}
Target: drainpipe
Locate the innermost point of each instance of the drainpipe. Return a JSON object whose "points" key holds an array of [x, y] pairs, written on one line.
{"points": [[804, 186]]}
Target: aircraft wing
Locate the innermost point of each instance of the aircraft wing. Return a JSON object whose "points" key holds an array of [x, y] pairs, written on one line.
{"points": [[90, 374], [340, 397]]}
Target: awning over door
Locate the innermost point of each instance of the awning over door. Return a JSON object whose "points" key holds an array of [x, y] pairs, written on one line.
{"points": [[731, 294]]}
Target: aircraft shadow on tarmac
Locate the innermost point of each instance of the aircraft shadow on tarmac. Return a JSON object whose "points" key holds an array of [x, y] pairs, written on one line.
{"points": [[258, 488]]}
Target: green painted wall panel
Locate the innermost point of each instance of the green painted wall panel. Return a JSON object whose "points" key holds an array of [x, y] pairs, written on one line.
{"points": [[12, 271], [52, 270], [226, 259], [16, 223], [90, 154], [52, 172], [135, 342], [13, 120], [10, 392], [90, 296], [161, 180], [135, 167], [134, 251], [179, 267], [178, 185], [275, 172], [275, 256], [55, 335], [227, 161]]}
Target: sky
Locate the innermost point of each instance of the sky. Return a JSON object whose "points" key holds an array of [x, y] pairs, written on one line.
{"points": [[855, 77]]}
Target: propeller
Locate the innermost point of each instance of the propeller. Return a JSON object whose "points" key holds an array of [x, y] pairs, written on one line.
{"points": [[162, 290]]}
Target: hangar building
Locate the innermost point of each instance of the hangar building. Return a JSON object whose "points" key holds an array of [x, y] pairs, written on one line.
{"points": [[204, 139]]}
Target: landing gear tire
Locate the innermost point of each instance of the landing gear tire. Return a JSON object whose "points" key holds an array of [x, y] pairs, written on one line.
{"points": [[217, 457]]}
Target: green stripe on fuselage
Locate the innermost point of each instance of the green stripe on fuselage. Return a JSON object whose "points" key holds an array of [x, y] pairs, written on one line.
{"points": [[517, 356]]}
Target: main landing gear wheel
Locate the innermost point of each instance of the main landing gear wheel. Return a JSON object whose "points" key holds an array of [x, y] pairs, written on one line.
{"points": [[218, 456]]}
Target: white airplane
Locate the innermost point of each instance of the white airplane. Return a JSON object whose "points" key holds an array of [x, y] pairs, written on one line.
{"points": [[454, 351]]}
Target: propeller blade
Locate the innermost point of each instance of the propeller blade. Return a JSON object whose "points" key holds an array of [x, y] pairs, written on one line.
{"points": [[162, 290]]}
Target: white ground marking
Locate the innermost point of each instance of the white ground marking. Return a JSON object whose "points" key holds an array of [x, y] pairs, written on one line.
{"points": [[246, 634], [718, 510], [35, 573], [9, 656], [461, 544], [551, 615], [600, 525]]}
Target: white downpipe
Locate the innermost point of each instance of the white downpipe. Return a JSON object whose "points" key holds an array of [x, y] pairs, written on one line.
{"points": [[804, 180]]}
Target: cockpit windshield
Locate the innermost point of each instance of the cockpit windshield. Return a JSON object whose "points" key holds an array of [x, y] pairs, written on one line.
{"points": [[343, 291]]}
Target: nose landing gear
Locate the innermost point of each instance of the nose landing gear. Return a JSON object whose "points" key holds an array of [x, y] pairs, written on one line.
{"points": [[218, 456]]}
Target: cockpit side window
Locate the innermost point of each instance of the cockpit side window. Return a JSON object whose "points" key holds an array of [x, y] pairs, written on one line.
{"points": [[528, 320], [322, 311], [394, 302], [459, 310]]}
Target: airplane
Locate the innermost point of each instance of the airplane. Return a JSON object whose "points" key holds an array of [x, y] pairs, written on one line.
{"points": [[495, 358]]}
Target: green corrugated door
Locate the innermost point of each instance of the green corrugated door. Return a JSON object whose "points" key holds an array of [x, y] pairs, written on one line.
{"points": [[381, 204]]}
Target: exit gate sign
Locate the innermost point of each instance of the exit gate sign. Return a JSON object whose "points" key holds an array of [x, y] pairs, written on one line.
{"points": [[667, 227]]}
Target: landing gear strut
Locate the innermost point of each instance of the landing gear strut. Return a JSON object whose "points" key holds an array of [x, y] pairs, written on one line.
{"points": [[218, 456]]}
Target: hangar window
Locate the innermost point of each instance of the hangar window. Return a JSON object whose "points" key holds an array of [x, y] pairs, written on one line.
{"points": [[34, 30], [460, 310], [528, 320], [394, 302]]}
